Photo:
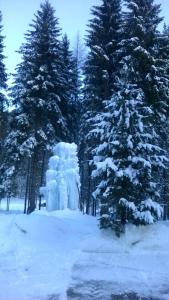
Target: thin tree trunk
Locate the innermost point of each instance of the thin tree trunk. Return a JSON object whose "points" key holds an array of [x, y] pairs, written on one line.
{"points": [[8, 202], [27, 185], [89, 193], [42, 176], [32, 183]]}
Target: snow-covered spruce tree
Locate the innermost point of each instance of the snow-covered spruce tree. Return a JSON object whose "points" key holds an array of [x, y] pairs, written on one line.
{"points": [[3, 87], [38, 92], [142, 44], [163, 53], [147, 52], [3, 74], [70, 76], [79, 54], [126, 161], [100, 71], [103, 39]]}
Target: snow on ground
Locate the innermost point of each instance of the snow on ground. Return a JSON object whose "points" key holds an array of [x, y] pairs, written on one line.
{"points": [[16, 204], [44, 254], [138, 262], [37, 253]]}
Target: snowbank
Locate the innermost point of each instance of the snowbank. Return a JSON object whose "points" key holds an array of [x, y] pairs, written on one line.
{"points": [[15, 205], [46, 253], [37, 253]]}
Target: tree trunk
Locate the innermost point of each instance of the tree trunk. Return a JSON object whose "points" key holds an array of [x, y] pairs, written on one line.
{"points": [[27, 185], [32, 183], [42, 176]]}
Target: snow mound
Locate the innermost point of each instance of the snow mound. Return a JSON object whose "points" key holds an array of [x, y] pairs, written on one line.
{"points": [[37, 252], [53, 251]]}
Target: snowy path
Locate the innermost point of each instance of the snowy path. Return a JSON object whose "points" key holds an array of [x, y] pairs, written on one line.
{"points": [[137, 263], [101, 278], [64, 256]]}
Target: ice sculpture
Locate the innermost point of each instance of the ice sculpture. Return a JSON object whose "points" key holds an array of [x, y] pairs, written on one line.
{"points": [[62, 178]]}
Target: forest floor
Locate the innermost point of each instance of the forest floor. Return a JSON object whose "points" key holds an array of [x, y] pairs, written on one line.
{"points": [[64, 256]]}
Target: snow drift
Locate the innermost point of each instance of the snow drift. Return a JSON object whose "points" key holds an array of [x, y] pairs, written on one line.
{"points": [[53, 251]]}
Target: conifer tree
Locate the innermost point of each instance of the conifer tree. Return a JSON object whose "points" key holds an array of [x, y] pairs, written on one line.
{"points": [[163, 54], [100, 72], [70, 77], [3, 87], [3, 75], [79, 54], [147, 49], [142, 44], [38, 92], [3, 78], [126, 161], [103, 41], [130, 157]]}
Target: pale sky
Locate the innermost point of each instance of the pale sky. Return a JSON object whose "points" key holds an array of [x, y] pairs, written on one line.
{"points": [[73, 15]]}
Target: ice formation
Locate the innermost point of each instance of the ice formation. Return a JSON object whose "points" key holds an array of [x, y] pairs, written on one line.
{"points": [[62, 178]]}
